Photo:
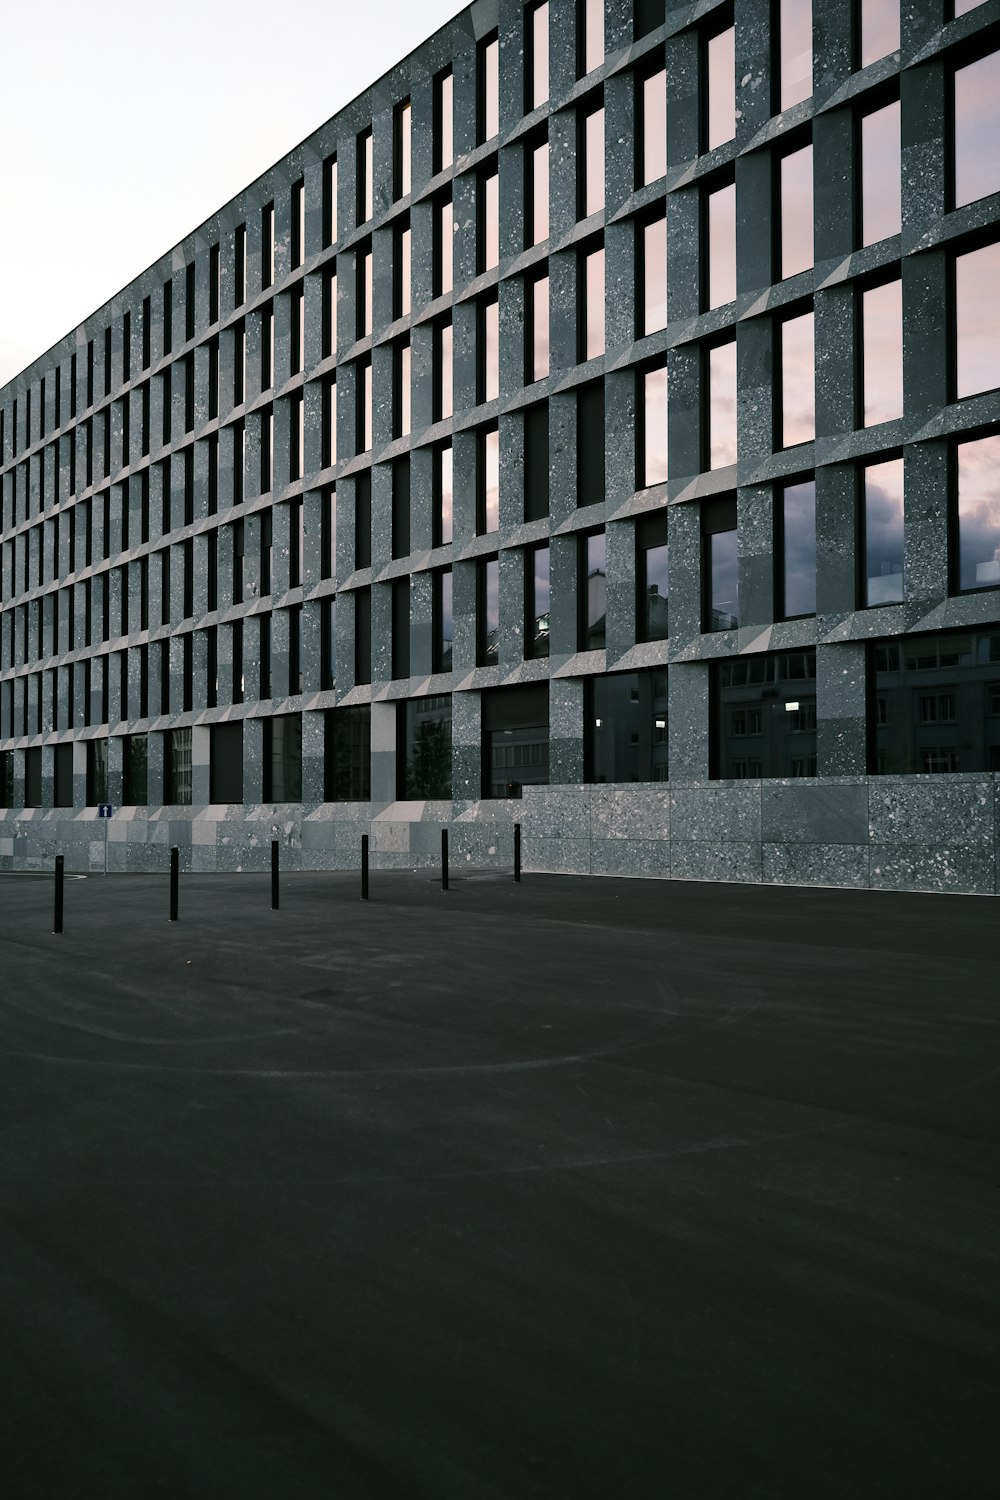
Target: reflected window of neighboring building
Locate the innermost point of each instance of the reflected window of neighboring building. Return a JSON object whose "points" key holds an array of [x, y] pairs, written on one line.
{"points": [[721, 445], [653, 136], [347, 757], [764, 716], [720, 565], [423, 753], [177, 767], [882, 345], [536, 598], [978, 505], [882, 499], [798, 386], [719, 83], [794, 51], [515, 738], [625, 727], [879, 30], [487, 611], [720, 230], [977, 321], [651, 577], [795, 173], [977, 129], [135, 770], [652, 252], [797, 550], [881, 206], [592, 591], [937, 701], [653, 411]]}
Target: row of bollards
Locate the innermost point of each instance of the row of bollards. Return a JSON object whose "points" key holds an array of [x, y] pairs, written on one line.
{"points": [[175, 865]]}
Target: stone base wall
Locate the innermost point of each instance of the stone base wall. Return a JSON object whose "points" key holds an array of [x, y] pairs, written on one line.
{"points": [[912, 833]]}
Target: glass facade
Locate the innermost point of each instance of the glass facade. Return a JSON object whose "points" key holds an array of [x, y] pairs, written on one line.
{"points": [[765, 715], [936, 703], [626, 727]]}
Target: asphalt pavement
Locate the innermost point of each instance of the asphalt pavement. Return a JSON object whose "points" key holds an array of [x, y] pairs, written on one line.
{"points": [[582, 1188]]}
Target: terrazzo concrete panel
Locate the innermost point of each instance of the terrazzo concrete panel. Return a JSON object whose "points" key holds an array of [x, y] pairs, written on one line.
{"points": [[916, 867], [647, 858], [814, 812], [715, 814], [958, 810], [634, 813], [815, 864], [732, 860]]}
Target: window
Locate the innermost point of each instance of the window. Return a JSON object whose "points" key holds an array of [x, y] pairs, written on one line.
{"points": [[330, 201], [720, 565], [653, 275], [881, 210], [362, 635], [719, 75], [364, 405], [366, 179], [330, 425], [537, 352], [328, 644], [177, 767], [653, 131], [424, 747], [796, 193], [401, 271], [401, 149], [883, 532], [978, 464], [536, 599], [720, 231], [97, 772], [590, 35], [590, 454], [488, 219], [443, 495], [935, 697], [879, 30], [653, 384], [363, 519], [135, 770], [401, 507], [441, 610], [651, 577], [488, 373], [488, 91], [590, 185], [363, 265], [33, 776], [347, 754], [267, 245], [536, 195], [444, 152], [592, 593], [797, 532], [444, 246], [267, 347], [400, 628], [764, 715], [537, 64], [977, 124], [882, 343], [226, 763], [795, 51], [488, 481], [298, 225], [443, 367], [721, 443], [798, 397], [515, 738], [592, 303], [977, 321], [487, 611], [625, 737], [401, 390]]}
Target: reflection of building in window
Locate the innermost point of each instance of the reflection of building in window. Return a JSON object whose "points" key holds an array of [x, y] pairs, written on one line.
{"points": [[770, 699], [515, 738], [937, 703], [425, 746], [626, 727]]}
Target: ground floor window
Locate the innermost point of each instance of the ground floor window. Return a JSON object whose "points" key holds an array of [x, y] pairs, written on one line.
{"points": [[97, 772], [515, 738], [936, 703], [348, 754], [283, 758], [764, 716], [62, 776], [6, 778], [226, 763], [625, 727], [135, 770], [423, 756], [177, 768], [33, 777]]}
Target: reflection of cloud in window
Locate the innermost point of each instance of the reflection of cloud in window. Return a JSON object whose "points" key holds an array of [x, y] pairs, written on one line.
{"points": [[977, 129], [979, 512]]}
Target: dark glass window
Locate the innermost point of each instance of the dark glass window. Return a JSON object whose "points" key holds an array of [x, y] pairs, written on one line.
{"points": [[720, 232], [488, 218], [797, 531], [363, 519], [226, 763], [879, 30], [365, 176], [401, 149], [651, 577], [6, 778], [795, 51], [62, 777], [798, 387], [883, 531], [444, 246], [795, 174], [400, 627], [882, 343], [536, 598], [881, 207], [977, 321], [443, 121], [283, 758], [443, 371], [720, 565], [401, 389], [362, 635], [764, 715], [721, 367], [590, 443], [936, 703], [719, 74], [33, 776], [977, 129], [488, 373], [97, 772], [363, 264], [347, 754], [424, 747], [625, 736], [515, 738], [401, 507], [135, 788], [177, 767], [441, 605], [487, 611], [536, 461], [592, 591], [401, 269], [328, 644], [978, 465], [488, 481]]}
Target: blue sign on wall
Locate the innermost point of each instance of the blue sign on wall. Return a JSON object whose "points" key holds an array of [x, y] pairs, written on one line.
{"points": [[105, 810]]}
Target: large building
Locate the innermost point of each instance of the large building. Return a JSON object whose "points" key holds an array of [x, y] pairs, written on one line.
{"points": [[353, 512]]}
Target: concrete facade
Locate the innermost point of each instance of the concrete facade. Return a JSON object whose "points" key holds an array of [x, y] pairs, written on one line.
{"points": [[196, 534]]}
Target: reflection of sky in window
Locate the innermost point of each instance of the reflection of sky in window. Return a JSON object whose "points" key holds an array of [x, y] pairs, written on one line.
{"points": [[798, 381], [491, 457], [539, 55], [595, 305], [446, 242], [977, 307], [405, 242], [446, 608], [491, 208], [654, 254], [724, 568], [721, 88], [879, 29], [977, 129], [880, 159], [491, 594], [540, 193], [366, 386], [979, 512], [961, 6], [540, 328], [654, 126], [491, 332], [593, 155], [404, 390], [795, 27], [799, 547], [445, 370], [884, 532], [593, 51], [491, 90], [722, 405], [655, 426], [882, 335], [796, 212], [722, 245], [446, 483], [540, 584]]}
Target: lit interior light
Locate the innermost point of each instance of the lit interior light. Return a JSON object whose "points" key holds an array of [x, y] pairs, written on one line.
{"points": [[791, 708], [597, 723]]}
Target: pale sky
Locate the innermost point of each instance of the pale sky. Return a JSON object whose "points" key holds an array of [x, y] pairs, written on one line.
{"points": [[126, 124]]}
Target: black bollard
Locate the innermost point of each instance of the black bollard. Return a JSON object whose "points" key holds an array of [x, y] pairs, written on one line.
{"points": [[517, 851], [175, 856], [364, 867], [274, 874], [57, 925], [444, 859]]}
